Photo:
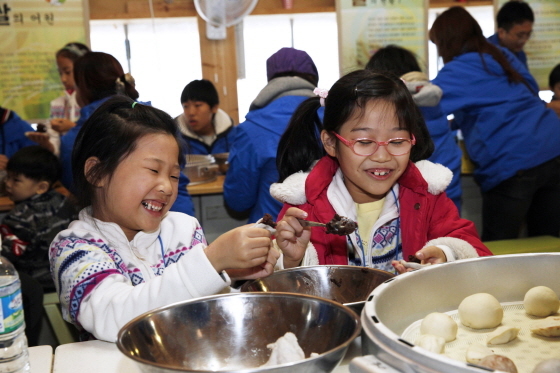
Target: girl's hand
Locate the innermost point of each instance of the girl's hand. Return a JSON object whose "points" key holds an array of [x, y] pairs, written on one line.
{"points": [[62, 125], [291, 237], [261, 271], [243, 247], [427, 255]]}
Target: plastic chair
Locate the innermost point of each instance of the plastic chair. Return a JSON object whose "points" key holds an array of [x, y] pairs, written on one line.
{"points": [[62, 330]]}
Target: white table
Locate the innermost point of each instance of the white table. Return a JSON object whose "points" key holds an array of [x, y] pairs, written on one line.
{"points": [[104, 357], [41, 359]]}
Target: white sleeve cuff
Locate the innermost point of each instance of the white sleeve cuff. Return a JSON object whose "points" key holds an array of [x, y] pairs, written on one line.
{"points": [[448, 252]]}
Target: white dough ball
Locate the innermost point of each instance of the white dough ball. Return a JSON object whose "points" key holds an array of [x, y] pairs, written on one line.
{"points": [[548, 366], [440, 324], [541, 301], [481, 311]]}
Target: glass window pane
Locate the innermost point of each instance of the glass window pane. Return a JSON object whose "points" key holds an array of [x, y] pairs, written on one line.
{"points": [[164, 55]]}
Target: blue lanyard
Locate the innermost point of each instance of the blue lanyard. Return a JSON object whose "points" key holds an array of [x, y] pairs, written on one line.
{"points": [[162, 252]]}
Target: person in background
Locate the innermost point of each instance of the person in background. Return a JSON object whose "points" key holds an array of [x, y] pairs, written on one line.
{"points": [[128, 254], [206, 128], [13, 137], [402, 63], [554, 82], [292, 77], [371, 134], [40, 212], [98, 77], [64, 109], [509, 134], [515, 25]]}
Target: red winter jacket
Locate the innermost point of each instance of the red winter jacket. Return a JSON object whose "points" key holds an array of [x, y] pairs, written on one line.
{"points": [[424, 216]]}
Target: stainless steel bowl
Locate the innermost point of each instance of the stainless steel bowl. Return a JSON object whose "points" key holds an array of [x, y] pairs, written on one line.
{"points": [[348, 285], [230, 333]]}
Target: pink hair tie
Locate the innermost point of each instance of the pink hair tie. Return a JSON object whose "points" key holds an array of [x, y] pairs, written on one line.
{"points": [[323, 93]]}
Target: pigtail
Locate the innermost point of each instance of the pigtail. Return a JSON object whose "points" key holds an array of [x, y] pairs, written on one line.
{"points": [[300, 145]]}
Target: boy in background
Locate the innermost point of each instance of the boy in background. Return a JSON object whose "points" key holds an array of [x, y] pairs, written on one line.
{"points": [[40, 212]]}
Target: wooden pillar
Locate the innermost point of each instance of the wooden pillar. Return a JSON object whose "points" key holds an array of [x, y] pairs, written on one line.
{"points": [[219, 65]]}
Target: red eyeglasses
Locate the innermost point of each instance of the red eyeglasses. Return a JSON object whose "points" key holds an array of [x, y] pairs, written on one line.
{"points": [[366, 147]]}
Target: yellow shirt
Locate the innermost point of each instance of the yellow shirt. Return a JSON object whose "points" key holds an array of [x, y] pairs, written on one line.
{"points": [[368, 213]]}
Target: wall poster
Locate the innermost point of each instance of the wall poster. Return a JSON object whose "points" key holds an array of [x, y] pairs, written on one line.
{"points": [[543, 48], [367, 25], [31, 33]]}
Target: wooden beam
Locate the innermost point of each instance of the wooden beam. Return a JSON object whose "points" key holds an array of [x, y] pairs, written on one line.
{"points": [[219, 65]]}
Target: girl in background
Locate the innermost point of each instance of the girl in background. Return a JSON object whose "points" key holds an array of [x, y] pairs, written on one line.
{"points": [[127, 254], [371, 135], [402, 63], [65, 110], [98, 77], [510, 135]]}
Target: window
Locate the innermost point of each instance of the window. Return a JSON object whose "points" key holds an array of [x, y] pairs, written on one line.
{"points": [[164, 55]]}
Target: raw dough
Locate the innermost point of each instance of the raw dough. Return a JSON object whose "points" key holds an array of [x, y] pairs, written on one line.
{"points": [[440, 324], [433, 343], [541, 301], [499, 362], [548, 366], [477, 352], [549, 327], [480, 311], [502, 335], [285, 350]]}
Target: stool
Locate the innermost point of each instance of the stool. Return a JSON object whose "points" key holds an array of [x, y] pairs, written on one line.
{"points": [[539, 244], [62, 329]]}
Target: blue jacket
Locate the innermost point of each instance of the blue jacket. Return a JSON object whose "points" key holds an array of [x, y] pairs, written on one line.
{"points": [[12, 134], [182, 204], [446, 152], [507, 128], [252, 158], [520, 55]]}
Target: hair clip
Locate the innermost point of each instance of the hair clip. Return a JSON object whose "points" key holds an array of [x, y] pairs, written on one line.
{"points": [[119, 86], [134, 104], [322, 93], [129, 79], [75, 50]]}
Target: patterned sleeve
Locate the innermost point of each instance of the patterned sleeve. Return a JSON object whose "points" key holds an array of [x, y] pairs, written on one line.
{"points": [[78, 265]]}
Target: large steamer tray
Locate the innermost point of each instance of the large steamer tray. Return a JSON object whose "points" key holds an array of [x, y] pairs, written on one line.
{"points": [[395, 307]]}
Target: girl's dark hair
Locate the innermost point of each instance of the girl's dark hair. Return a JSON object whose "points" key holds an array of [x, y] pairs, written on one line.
{"points": [[394, 60], [35, 163], [72, 51], [110, 135], [456, 32], [200, 90], [99, 75], [300, 145]]}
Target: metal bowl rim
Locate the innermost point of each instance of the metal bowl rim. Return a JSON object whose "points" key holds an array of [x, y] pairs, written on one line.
{"points": [[354, 315]]}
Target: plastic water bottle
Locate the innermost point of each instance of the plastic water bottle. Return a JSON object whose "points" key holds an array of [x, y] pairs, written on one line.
{"points": [[14, 357]]}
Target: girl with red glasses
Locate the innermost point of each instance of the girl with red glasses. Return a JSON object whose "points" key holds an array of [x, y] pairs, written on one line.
{"points": [[366, 161]]}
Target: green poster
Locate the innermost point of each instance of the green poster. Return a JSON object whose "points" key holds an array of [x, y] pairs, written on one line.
{"points": [[31, 32], [367, 25]]}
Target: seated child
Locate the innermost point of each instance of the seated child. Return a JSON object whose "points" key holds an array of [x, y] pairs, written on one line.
{"points": [[371, 135], [206, 128], [40, 212], [127, 253]]}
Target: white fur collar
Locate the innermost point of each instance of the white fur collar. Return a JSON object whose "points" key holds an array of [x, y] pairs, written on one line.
{"points": [[292, 189]]}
